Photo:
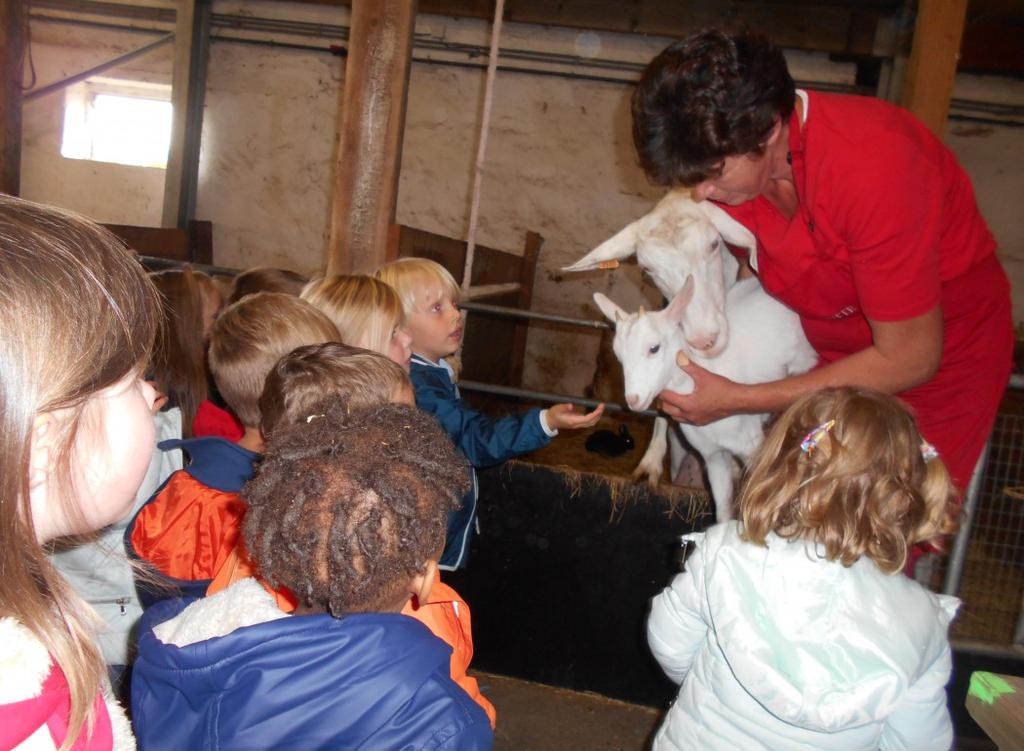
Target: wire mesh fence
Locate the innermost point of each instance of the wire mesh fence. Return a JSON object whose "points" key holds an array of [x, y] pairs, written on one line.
{"points": [[992, 577]]}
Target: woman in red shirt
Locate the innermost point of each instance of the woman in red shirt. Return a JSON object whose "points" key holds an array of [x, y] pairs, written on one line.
{"points": [[865, 225]]}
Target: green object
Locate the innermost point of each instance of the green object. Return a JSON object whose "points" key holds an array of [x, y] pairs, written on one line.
{"points": [[988, 687]]}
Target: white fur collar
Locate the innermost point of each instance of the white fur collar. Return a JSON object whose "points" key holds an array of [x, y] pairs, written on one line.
{"points": [[24, 665], [24, 662], [244, 603]]}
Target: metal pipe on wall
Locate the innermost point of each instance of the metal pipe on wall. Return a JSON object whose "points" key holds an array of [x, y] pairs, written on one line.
{"points": [[544, 396], [480, 307], [97, 69]]}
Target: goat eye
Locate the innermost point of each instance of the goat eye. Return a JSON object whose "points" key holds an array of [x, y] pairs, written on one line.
{"points": [[654, 350], [715, 244]]}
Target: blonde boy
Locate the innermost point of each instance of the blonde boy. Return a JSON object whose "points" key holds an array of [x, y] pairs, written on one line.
{"points": [[187, 530], [429, 295], [248, 339]]}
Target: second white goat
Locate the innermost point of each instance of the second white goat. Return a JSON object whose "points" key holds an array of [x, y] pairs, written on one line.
{"points": [[766, 343], [680, 238]]}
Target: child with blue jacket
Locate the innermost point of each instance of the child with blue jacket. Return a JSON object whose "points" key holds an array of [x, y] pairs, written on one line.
{"points": [[347, 510], [429, 295]]}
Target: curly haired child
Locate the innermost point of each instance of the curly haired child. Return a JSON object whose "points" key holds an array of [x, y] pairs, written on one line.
{"points": [[77, 322], [296, 390], [367, 312], [429, 295], [347, 511], [794, 627], [301, 386]]}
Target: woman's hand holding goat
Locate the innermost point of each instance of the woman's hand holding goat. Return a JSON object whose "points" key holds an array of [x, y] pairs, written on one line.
{"points": [[713, 397]]}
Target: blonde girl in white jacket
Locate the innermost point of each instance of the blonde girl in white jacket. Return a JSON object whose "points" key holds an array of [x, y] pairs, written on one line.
{"points": [[794, 627]]}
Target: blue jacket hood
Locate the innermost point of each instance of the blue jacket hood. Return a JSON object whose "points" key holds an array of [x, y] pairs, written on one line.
{"points": [[373, 681], [216, 462]]}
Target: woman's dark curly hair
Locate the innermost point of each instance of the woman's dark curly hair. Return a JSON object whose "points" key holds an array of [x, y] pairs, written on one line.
{"points": [[346, 509], [704, 98]]}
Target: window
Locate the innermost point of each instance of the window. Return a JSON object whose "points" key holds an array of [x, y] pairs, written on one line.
{"points": [[126, 122]]}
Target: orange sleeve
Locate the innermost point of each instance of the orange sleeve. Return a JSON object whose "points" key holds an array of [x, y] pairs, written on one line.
{"points": [[447, 616], [189, 529]]}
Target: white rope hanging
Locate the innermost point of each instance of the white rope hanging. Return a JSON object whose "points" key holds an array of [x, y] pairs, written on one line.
{"points": [[478, 173]]}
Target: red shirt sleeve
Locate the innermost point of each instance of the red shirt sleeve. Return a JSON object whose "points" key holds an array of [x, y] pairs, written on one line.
{"points": [[890, 198]]}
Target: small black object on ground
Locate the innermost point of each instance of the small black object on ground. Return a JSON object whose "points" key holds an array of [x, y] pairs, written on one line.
{"points": [[607, 443]]}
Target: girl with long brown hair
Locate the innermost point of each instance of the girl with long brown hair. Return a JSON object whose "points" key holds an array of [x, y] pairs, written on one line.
{"points": [[178, 367], [77, 321]]}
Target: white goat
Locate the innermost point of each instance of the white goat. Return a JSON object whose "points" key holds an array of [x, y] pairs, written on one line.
{"points": [[680, 238], [766, 343]]}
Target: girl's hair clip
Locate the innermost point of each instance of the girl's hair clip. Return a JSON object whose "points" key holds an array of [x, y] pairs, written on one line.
{"points": [[928, 452], [310, 418], [814, 436]]}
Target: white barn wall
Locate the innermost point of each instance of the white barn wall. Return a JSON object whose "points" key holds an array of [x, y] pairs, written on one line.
{"points": [[993, 156], [265, 168], [112, 193], [560, 159]]}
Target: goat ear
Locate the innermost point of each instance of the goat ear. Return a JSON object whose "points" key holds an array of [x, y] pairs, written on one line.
{"points": [[611, 311], [620, 245], [733, 232], [681, 300]]}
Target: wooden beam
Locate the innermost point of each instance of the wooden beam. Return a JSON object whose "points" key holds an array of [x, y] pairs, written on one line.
{"points": [[188, 95], [184, 25], [527, 274], [931, 69], [838, 26], [12, 42], [372, 120]]}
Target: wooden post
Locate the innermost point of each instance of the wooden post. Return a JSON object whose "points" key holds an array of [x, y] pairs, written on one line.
{"points": [[12, 42], [527, 273], [183, 40], [932, 67], [372, 120]]}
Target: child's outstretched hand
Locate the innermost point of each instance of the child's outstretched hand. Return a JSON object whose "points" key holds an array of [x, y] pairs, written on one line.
{"points": [[564, 417]]}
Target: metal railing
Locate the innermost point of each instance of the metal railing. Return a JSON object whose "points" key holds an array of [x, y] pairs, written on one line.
{"points": [[985, 568], [473, 307]]}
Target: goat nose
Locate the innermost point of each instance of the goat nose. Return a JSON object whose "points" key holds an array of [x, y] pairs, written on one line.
{"points": [[703, 342], [632, 400]]}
